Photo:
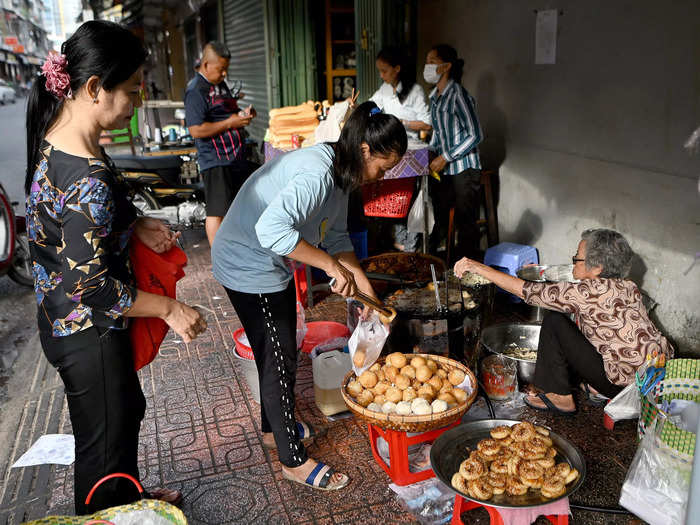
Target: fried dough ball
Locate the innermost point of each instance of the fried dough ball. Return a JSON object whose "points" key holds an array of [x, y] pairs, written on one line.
{"points": [[489, 447], [403, 408], [432, 365], [426, 392], [447, 398], [389, 407], [365, 398], [408, 371], [480, 489], [374, 407], [380, 399], [409, 394], [456, 376], [391, 372], [354, 388], [368, 379], [438, 405], [393, 394], [459, 483], [471, 469], [381, 376], [446, 386], [435, 382], [500, 432], [397, 359], [359, 358], [402, 382], [423, 373], [421, 409], [417, 362], [380, 388], [376, 367], [460, 395], [441, 373]]}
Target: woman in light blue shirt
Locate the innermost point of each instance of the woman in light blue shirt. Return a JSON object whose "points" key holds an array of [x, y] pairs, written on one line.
{"points": [[283, 212]]}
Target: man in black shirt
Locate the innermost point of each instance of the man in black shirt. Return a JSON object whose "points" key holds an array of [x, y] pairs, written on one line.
{"points": [[215, 121]]}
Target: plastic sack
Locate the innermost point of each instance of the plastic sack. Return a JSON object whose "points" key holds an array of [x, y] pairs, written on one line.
{"points": [[301, 325], [625, 405], [657, 483], [329, 130], [414, 223], [366, 342], [429, 501]]}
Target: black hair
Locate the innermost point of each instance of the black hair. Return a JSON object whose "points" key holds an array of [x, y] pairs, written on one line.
{"points": [[395, 56], [448, 53], [383, 133], [220, 49], [98, 47]]}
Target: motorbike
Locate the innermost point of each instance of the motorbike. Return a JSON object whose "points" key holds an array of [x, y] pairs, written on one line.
{"points": [[15, 259], [166, 187]]}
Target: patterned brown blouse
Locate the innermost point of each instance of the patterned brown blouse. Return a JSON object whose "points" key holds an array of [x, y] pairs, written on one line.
{"points": [[610, 314]]}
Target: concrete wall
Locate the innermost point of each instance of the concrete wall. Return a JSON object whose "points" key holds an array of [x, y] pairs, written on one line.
{"points": [[595, 140]]}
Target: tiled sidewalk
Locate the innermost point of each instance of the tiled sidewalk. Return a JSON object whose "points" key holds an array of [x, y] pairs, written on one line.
{"points": [[202, 435]]}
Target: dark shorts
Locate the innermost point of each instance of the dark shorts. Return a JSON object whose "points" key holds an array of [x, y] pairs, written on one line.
{"points": [[221, 184]]}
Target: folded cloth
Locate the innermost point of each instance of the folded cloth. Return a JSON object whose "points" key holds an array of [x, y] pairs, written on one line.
{"points": [[529, 515]]}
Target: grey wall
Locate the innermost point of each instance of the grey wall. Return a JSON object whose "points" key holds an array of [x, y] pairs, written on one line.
{"points": [[595, 140]]}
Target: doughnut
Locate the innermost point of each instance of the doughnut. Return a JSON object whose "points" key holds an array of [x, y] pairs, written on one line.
{"points": [[417, 362], [489, 447], [562, 470], [459, 483], [524, 450], [513, 463], [368, 379], [500, 432], [533, 483], [553, 487], [546, 462], [522, 431], [456, 376], [480, 489], [497, 482], [553, 494], [408, 371], [537, 446], [530, 470], [471, 469], [515, 487], [480, 457], [542, 431], [571, 477], [506, 442], [544, 440], [500, 466]]}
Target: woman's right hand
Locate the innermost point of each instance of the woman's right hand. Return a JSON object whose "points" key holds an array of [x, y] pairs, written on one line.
{"points": [[344, 280], [184, 320]]}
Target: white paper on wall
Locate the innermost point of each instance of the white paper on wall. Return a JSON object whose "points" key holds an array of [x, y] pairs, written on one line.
{"points": [[546, 37]]}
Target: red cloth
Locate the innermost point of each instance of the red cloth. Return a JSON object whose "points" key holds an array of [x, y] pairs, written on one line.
{"points": [[157, 273]]}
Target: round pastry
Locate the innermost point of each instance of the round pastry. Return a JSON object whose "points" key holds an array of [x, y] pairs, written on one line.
{"points": [[418, 401], [439, 406], [460, 395], [515, 487], [553, 493], [497, 482], [571, 477], [354, 388], [393, 394], [481, 489], [368, 379], [436, 383], [489, 447], [402, 382], [500, 466], [374, 407], [456, 376], [403, 408], [426, 391], [391, 372], [441, 373], [380, 399], [525, 451], [389, 407], [432, 365], [522, 431], [421, 409], [500, 432], [530, 470], [446, 386], [397, 359], [380, 388], [365, 398], [409, 394], [459, 483], [381, 376], [472, 469], [376, 367], [423, 373], [416, 384], [417, 362], [447, 398], [408, 371], [359, 358], [538, 445]]}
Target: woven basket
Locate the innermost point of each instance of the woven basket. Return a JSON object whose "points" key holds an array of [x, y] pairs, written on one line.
{"points": [[682, 381], [388, 198], [413, 423]]}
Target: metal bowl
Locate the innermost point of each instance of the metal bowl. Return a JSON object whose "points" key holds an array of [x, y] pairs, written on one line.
{"points": [[498, 337], [533, 272], [451, 448], [547, 272]]}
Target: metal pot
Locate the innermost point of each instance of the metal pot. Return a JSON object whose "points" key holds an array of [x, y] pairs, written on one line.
{"points": [[499, 337]]}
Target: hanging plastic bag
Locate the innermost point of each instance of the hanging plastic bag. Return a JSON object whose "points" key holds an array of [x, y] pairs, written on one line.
{"points": [[415, 216], [366, 342], [329, 130], [625, 405], [301, 325]]}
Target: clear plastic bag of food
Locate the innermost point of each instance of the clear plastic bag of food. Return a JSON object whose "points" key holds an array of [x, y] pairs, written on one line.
{"points": [[625, 405], [366, 342]]}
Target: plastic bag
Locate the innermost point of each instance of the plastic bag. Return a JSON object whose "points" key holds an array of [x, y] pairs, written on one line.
{"points": [[301, 325], [366, 342], [625, 405], [429, 501], [329, 130], [657, 483], [414, 222]]}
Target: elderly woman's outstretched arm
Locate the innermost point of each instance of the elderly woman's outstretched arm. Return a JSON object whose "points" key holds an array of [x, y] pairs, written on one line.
{"points": [[509, 283]]}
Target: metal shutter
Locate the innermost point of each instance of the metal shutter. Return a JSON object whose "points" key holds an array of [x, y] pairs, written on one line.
{"points": [[244, 34]]}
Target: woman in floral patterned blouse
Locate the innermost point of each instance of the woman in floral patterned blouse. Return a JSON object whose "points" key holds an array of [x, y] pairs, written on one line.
{"points": [[612, 334], [79, 224]]}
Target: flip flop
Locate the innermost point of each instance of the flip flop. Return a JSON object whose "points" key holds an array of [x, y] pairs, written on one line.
{"points": [[550, 407], [307, 433], [174, 497], [320, 478], [594, 399]]}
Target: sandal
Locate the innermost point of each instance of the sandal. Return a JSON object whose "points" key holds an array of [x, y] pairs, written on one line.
{"points": [[551, 407], [320, 478], [174, 497], [594, 398], [306, 434]]}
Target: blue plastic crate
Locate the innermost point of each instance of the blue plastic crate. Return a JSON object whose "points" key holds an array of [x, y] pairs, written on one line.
{"points": [[508, 257]]}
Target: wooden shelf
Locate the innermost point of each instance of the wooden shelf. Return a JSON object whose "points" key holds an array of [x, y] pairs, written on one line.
{"points": [[343, 72]]}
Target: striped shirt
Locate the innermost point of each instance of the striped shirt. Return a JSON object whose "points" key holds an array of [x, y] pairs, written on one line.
{"points": [[456, 128]]}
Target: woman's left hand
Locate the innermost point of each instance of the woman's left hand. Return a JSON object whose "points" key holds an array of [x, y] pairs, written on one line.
{"points": [[465, 265], [155, 234], [438, 164]]}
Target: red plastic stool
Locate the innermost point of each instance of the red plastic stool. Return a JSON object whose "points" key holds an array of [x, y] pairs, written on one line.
{"points": [[398, 452], [608, 422], [301, 284], [463, 505]]}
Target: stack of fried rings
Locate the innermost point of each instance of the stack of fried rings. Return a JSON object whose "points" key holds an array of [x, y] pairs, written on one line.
{"points": [[514, 460]]}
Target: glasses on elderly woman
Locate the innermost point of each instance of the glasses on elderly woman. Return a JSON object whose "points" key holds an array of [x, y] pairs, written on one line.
{"points": [[575, 259]]}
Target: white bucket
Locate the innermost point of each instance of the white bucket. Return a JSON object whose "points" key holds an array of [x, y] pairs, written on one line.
{"points": [[250, 373]]}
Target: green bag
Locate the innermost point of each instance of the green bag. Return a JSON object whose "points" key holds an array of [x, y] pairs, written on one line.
{"points": [[150, 508]]}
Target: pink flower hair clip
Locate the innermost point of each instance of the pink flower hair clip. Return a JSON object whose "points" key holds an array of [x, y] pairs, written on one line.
{"points": [[57, 78]]}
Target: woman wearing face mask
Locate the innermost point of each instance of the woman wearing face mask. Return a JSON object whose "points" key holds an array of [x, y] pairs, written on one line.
{"points": [[283, 212], [456, 135], [79, 222], [399, 95]]}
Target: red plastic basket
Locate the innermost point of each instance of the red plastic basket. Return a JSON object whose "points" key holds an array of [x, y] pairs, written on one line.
{"points": [[388, 198], [321, 331], [244, 350]]}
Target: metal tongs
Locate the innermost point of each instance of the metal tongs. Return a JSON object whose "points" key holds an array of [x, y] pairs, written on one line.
{"points": [[386, 313]]}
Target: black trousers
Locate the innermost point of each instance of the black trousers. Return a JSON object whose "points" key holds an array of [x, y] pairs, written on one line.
{"points": [[270, 322], [463, 191], [106, 406], [565, 358]]}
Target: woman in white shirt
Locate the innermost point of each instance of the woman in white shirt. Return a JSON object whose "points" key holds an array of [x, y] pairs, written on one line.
{"points": [[400, 96]]}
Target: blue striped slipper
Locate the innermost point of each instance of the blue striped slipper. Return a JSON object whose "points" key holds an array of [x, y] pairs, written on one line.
{"points": [[320, 478]]}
